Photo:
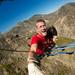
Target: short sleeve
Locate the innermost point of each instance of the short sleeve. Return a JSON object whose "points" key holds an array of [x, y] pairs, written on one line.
{"points": [[34, 40]]}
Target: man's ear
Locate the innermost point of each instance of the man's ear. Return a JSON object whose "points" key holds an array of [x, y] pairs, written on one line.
{"points": [[36, 29]]}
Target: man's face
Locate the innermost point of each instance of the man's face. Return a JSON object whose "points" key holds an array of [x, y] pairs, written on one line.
{"points": [[41, 28]]}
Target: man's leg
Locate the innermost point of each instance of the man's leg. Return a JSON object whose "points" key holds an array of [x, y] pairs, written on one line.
{"points": [[34, 70]]}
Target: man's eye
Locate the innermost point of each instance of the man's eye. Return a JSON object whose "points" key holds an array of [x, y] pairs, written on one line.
{"points": [[40, 26]]}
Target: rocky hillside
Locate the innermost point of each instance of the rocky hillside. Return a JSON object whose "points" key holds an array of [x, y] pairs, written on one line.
{"points": [[63, 19], [13, 60]]}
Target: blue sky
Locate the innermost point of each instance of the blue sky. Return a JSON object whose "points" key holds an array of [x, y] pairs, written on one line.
{"points": [[14, 11]]}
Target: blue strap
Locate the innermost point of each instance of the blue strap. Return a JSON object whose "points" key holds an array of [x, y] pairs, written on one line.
{"points": [[56, 53], [63, 47]]}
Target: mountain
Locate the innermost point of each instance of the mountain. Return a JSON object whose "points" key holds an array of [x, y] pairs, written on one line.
{"points": [[14, 62], [65, 23], [63, 20]]}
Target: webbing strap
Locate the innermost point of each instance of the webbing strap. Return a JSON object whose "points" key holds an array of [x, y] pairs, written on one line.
{"points": [[56, 53]]}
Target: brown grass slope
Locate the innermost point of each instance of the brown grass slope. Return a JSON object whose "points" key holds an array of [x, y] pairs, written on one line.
{"points": [[15, 63]]}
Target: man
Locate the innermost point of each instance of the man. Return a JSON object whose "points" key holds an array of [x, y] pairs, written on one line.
{"points": [[37, 48]]}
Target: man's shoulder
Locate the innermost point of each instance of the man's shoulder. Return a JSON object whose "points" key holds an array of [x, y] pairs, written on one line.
{"points": [[34, 36]]}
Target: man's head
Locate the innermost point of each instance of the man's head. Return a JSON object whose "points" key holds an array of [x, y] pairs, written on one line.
{"points": [[41, 27]]}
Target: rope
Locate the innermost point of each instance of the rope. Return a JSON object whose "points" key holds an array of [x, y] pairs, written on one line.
{"points": [[12, 50], [56, 53], [72, 45]]}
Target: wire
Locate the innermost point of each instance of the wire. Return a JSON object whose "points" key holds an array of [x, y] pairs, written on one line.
{"points": [[12, 50]]}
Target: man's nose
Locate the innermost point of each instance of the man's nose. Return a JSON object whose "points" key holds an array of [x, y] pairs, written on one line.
{"points": [[44, 27]]}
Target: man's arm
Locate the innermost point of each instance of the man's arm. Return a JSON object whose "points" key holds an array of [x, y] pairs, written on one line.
{"points": [[32, 55]]}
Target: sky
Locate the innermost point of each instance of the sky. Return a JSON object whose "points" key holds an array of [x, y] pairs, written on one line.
{"points": [[14, 11]]}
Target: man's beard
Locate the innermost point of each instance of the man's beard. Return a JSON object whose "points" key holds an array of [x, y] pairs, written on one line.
{"points": [[44, 33]]}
